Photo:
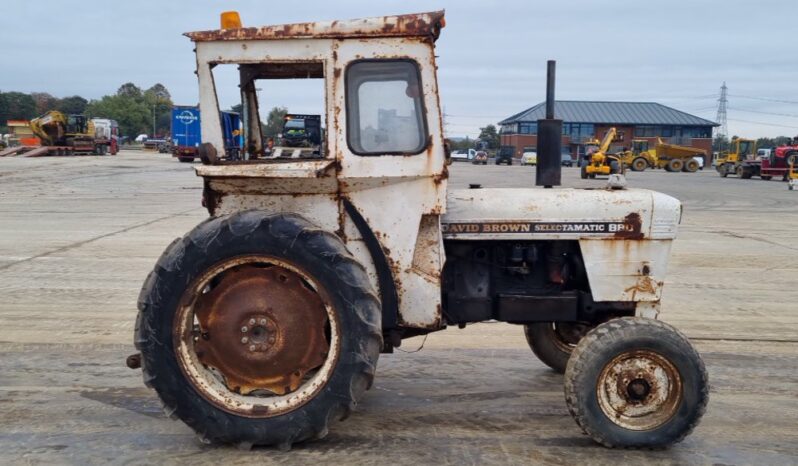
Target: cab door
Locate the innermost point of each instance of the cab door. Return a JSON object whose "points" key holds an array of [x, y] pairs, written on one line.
{"points": [[389, 145]]}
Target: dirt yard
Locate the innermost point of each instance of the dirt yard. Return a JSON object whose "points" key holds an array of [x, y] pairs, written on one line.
{"points": [[78, 236]]}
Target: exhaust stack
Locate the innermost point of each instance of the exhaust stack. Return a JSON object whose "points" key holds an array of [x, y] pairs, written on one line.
{"points": [[549, 165]]}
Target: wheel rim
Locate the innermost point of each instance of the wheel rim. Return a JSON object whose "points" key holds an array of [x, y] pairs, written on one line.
{"points": [[567, 334], [639, 390], [256, 336]]}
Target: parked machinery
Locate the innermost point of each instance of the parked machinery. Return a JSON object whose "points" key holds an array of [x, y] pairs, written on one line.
{"points": [[671, 157], [792, 176], [264, 324], [730, 162], [62, 134], [778, 164], [600, 162]]}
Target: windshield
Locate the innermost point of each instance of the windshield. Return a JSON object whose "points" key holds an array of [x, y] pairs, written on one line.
{"points": [[295, 124], [745, 148]]}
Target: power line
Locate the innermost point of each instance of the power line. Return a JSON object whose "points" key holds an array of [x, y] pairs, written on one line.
{"points": [[763, 123], [763, 113], [766, 99]]}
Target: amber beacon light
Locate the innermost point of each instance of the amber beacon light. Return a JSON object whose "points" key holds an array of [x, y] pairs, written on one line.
{"points": [[230, 20]]}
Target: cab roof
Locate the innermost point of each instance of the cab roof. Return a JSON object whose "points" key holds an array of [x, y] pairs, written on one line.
{"points": [[409, 25]]}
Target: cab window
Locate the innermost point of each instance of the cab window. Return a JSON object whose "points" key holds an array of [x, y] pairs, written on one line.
{"points": [[385, 109]]}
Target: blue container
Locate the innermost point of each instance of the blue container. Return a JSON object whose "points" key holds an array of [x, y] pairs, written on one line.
{"points": [[187, 135]]}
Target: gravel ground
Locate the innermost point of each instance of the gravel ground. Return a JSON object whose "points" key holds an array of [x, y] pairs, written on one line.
{"points": [[78, 235]]}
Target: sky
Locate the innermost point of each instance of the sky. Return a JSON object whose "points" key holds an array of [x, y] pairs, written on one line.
{"points": [[492, 55]]}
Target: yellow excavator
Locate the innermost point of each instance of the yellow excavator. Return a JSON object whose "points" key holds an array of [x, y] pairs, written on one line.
{"points": [[600, 162], [56, 129]]}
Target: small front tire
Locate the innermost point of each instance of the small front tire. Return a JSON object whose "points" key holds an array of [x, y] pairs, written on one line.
{"points": [[636, 382]]}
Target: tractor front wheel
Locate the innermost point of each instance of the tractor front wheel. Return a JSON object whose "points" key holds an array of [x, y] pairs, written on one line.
{"points": [[583, 172], [258, 329], [636, 382]]}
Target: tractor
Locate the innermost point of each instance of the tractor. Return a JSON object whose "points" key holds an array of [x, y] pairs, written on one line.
{"points": [[264, 324]]}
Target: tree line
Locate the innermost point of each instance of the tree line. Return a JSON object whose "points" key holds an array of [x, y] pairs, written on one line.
{"points": [[135, 110]]}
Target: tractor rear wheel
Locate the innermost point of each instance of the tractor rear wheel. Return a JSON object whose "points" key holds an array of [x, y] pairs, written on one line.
{"points": [[636, 382], [639, 164], [675, 165], [258, 329], [691, 166], [553, 342]]}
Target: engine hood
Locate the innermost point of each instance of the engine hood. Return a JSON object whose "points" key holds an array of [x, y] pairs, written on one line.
{"points": [[512, 213]]}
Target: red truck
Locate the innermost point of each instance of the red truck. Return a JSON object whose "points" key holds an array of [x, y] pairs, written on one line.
{"points": [[775, 164]]}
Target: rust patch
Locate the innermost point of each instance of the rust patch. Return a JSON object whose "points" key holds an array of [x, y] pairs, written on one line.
{"points": [[633, 227], [210, 198], [249, 323], [444, 174], [425, 25]]}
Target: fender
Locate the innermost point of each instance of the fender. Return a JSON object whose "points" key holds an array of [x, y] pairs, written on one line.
{"points": [[388, 295]]}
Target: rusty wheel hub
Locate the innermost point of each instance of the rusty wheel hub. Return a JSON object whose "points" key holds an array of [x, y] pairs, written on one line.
{"points": [[568, 334], [639, 390], [261, 329]]}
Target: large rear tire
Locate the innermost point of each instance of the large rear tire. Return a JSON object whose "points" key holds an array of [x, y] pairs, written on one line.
{"points": [[553, 342], [636, 382], [218, 315]]}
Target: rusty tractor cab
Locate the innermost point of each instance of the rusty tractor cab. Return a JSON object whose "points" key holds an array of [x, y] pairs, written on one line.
{"points": [[264, 323]]}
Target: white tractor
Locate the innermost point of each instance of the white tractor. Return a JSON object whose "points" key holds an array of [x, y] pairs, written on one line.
{"points": [[263, 325]]}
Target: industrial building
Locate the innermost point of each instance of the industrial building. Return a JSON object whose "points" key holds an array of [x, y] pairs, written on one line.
{"points": [[586, 120]]}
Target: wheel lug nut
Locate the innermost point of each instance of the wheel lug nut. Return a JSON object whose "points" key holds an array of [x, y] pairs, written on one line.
{"points": [[244, 340], [252, 347], [251, 321], [263, 321], [244, 329], [271, 339]]}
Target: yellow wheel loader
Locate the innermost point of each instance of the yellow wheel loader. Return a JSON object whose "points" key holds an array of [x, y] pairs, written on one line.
{"points": [[600, 162]]}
